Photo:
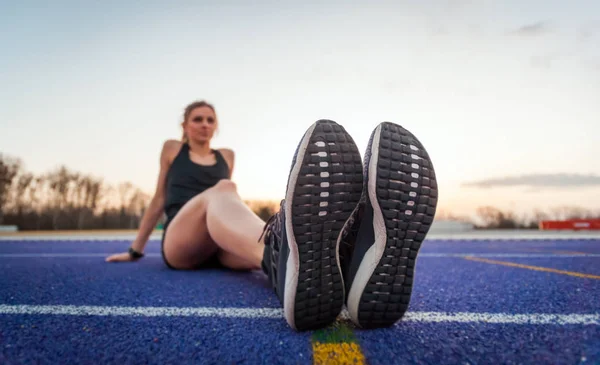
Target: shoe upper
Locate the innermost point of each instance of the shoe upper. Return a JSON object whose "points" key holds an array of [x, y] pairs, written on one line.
{"points": [[276, 251], [358, 234], [348, 242]]}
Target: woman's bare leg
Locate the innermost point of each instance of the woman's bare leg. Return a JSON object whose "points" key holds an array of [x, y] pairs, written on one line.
{"points": [[234, 262], [218, 222], [234, 227], [187, 242]]}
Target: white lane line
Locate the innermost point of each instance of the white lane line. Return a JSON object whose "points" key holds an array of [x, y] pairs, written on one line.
{"points": [[461, 317], [446, 255], [66, 255], [74, 238], [514, 255], [87, 310], [469, 237], [530, 318]]}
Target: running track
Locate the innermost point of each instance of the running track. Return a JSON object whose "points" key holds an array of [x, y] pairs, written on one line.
{"points": [[477, 300]]}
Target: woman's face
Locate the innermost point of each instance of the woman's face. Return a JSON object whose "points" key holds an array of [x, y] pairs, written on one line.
{"points": [[201, 124]]}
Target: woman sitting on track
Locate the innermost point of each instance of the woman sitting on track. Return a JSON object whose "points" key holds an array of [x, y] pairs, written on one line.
{"points": [[344, 234]]}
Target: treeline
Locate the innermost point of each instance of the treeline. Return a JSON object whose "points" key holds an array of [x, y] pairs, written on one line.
{"points": [[493, 218], [488, 217], [63, 199]]}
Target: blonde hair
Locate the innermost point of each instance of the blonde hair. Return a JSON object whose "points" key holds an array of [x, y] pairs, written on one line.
{"points": [[188, 110]]}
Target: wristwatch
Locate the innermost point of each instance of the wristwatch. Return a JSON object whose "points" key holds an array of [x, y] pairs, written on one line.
{"points": [[134, 254]]}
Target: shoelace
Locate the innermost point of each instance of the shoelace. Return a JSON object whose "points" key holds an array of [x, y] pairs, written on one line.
{"points": [[272, 227], [351, 229]]}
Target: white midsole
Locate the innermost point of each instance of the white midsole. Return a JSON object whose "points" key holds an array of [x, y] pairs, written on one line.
{"points": [[374, 253], [293, 261]]}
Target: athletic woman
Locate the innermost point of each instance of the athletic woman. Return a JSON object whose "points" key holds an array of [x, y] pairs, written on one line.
{"points": [[346, 233]]}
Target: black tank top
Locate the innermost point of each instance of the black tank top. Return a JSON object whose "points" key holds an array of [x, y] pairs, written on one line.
{"points": [[186, 179]]}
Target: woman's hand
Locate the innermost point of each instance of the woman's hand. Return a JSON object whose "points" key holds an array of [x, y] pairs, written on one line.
{"points": [[120, 257]]}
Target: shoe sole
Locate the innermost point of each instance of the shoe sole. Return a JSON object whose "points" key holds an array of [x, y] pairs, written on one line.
{"points": [[403, 191], [324, 187]]}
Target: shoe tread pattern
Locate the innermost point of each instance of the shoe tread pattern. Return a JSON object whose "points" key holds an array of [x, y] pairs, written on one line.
{"points": [[407, 193], [327, 190]]}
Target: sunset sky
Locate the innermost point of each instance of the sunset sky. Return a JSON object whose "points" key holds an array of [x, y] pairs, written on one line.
{"points": [[505, 95]]}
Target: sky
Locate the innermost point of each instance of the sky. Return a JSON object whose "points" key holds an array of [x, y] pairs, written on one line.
{"points": [[504, 95]]}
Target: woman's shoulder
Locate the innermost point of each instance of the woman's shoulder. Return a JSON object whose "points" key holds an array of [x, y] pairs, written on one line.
{"points": [[228, 155], [172, 143], [171, 148], [227, 152]]}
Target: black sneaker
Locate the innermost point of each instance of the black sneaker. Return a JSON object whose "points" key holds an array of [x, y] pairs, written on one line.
{"points": [[386, 230], [301, 244]]}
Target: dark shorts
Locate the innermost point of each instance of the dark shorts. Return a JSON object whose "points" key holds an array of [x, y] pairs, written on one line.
{"points": [[211, 263]]}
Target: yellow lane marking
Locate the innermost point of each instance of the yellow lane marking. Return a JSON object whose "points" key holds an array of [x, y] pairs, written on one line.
{"points": [[337, 353], [570, 252], [536, 268]]}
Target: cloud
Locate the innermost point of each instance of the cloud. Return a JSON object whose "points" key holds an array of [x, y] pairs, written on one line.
{"points": [[532, 30], [588, 31], [545, 60], [559, 180]]}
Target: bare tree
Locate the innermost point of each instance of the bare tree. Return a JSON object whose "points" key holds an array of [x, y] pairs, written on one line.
{"points": [[23, 184], [497, 219], [62, 183], [135, 209], [126, 192], [9, 168], [572, 212], [90, 192]]}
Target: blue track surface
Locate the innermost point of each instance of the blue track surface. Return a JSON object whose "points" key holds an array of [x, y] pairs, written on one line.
{"points": [[442, 284]]}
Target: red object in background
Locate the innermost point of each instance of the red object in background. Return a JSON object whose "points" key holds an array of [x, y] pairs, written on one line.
{"points": [[572, 224]]}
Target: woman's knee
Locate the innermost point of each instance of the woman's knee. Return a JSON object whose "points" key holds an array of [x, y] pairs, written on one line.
{"points": [[225, 185], [201, 201], [215, 193]]}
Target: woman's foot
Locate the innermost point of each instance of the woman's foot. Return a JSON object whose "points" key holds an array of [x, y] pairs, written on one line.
{"points": [[302, 239], [386, 231]]}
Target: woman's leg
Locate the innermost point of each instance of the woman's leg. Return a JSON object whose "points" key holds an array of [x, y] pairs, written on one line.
{"points": [[217, 222], [234, 262], [186, 243], [234, 227]]}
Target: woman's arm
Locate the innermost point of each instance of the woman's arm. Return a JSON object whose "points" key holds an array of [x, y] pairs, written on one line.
{"points": [[156, 206], [149, 221]]}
